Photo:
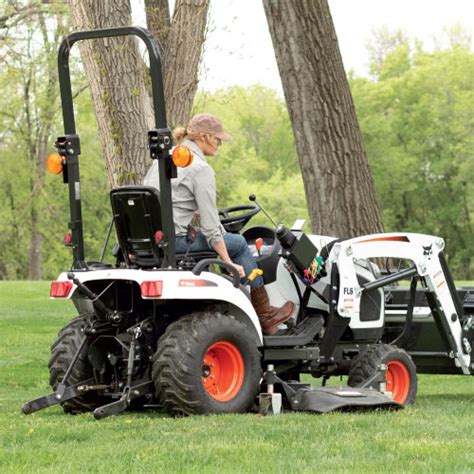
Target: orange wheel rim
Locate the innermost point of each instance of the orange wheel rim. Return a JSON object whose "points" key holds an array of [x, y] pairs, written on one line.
{"points": [[223, 371], [398, 380]]}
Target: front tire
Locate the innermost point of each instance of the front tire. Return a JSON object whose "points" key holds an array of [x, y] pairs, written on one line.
{"points": [[206, 363], [401, 371]]}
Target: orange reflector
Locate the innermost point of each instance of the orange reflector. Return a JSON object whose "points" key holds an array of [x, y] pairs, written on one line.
{"points": [[151, 289], [182, 156], [55, 163], [60, 289]]}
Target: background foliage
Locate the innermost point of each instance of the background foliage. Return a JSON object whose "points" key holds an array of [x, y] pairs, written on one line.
{"points": [[417, 121], [415, 112]]}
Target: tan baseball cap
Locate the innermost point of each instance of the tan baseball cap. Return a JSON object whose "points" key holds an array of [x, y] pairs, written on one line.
{"points": [[208, 123]]}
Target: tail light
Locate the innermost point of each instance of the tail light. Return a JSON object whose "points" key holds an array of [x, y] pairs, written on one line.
{"points": [[151, 289], [60, 289], [67, 239]]}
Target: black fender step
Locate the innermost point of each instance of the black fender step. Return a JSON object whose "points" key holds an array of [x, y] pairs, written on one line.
{"points": [[299, 335]]}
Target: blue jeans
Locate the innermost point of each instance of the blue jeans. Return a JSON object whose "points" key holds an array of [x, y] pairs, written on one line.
{"points": [[236, 247]]}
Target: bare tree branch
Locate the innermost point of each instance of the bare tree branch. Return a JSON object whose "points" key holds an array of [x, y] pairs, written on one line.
{"points": [[18, 13]]}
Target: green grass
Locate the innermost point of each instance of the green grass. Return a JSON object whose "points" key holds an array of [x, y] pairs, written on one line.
{"points": [[435, 435]]}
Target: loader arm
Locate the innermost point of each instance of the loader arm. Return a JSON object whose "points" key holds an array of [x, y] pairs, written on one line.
{"points": [[426, 253]]}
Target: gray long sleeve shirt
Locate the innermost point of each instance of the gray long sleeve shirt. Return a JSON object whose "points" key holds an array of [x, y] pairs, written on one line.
{"points": [[193, 190]]}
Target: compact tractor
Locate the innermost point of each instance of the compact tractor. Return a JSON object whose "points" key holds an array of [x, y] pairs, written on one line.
{"points": [[178, 332]]}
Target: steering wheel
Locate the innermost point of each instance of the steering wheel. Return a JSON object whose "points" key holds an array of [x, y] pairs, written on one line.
{"points": [[234, 223]]}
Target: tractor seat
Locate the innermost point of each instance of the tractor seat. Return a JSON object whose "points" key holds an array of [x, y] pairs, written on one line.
{"points": [[137, 217]]}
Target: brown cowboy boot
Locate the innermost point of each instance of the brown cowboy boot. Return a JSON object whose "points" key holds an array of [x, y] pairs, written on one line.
{"points": [[269, 316]]}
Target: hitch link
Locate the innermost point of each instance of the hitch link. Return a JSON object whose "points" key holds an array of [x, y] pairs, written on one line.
{"points": [[130, 391]]}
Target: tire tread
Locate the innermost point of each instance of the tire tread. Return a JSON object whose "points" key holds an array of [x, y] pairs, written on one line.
{"points": [[367, 363], [172, 362], [62, 351]]}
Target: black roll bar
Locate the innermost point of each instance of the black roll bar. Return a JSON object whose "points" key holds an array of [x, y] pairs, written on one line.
{"points": [[69, 144]]}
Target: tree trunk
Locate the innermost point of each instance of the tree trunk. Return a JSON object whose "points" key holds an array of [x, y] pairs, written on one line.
{"points": [[37, 184], [181, 39], [338, 185], [36, 239], [158, 21], [117, 76]]}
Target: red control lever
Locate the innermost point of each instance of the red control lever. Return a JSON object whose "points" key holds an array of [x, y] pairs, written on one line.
{"points": [[258, 245]]}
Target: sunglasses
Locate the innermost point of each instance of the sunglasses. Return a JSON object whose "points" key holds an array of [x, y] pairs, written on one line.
{"points": [[218, 141]]}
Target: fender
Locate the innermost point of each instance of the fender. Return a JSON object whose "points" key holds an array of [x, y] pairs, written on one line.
{"points": [[176, 285]]}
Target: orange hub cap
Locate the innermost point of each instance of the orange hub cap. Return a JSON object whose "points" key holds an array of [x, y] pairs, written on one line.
{"points": [[398, 380], [223, 371]]}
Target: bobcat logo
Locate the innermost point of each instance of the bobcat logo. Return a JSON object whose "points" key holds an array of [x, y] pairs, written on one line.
{"points": [[427, 250]]}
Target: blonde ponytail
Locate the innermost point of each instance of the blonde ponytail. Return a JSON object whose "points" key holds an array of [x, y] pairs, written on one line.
{"points": [[179, 134]]}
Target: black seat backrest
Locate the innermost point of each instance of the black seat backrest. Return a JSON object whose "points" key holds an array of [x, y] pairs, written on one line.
{"points": [[137, 217]]}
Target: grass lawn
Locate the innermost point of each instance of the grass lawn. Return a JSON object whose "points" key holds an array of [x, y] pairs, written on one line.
{"points": [[434, 435]]}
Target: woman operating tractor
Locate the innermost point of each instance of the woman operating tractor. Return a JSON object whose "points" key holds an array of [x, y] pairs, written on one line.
{"points": [[194, 201]]}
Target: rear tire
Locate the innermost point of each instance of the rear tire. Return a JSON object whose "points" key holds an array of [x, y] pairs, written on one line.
{"points": [[401, 371], [206, 363], [62, 351]]}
